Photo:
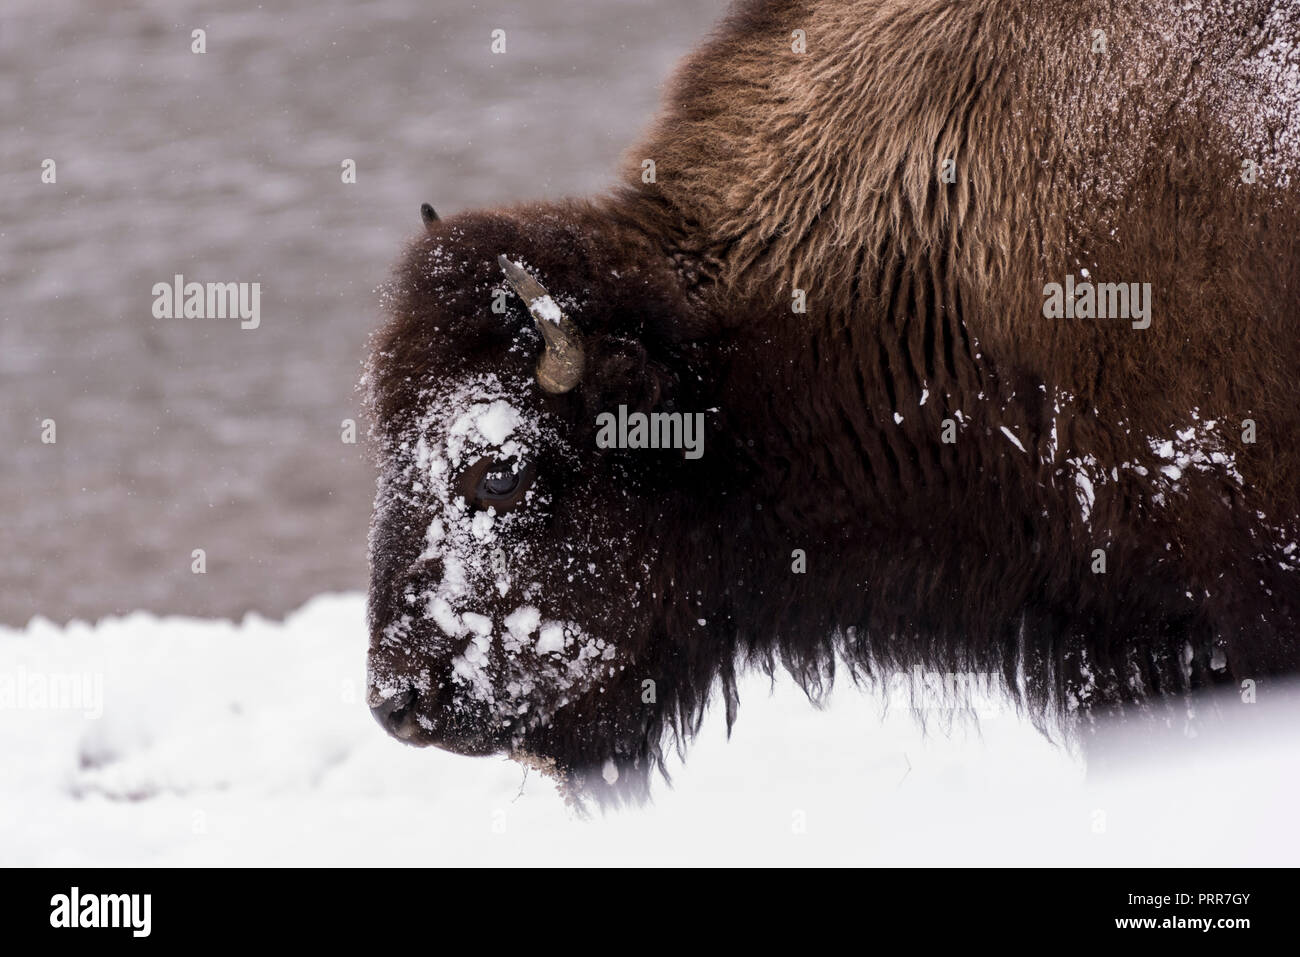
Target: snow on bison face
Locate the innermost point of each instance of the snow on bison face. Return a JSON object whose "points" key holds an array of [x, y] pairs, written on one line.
{"points": [[473, 649], [522, 577]]}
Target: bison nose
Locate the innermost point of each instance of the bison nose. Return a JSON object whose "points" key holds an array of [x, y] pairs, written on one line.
{"points": [[395, 714]]}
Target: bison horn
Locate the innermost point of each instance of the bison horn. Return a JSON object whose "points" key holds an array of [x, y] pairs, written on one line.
{"points": [[560, 368], [428, 214]]}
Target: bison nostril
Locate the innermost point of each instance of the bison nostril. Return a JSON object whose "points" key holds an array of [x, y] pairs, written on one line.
{"points": [[393, 713]]}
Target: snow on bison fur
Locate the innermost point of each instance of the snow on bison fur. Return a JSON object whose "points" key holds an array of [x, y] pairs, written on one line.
{"points": [[931, 465]]}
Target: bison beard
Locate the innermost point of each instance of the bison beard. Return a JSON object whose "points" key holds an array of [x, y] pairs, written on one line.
{"points": [[1106, 516]]}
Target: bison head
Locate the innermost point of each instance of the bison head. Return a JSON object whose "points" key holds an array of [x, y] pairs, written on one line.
{"points": [[532, 592]]}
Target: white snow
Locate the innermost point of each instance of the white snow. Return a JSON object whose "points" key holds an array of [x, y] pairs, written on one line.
{"points": [[546, 309], [523, 621], [1012, 437], [251, 743], [497, 421], [1086, 494], [550, 638]]}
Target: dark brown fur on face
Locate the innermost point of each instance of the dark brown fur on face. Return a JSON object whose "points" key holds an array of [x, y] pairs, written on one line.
{"points": [[779, 171]]}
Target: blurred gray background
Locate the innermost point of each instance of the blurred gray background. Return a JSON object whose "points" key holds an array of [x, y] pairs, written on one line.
{"points": [[182, 434]]}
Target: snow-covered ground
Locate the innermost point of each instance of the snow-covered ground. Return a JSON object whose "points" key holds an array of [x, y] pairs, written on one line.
{"points": [[222, 743]]}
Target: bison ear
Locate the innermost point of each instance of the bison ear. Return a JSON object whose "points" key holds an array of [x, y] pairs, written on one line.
{"points": [[620, 372]]}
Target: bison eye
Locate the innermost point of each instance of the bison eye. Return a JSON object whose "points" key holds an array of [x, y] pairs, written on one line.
{"points": [[499, 482], [500, 485]]}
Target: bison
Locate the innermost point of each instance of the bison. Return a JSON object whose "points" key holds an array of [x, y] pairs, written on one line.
{"points": [[988, 311]]}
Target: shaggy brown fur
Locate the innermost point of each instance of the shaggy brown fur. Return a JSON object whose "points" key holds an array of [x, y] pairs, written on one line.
{"points": [[819, 171]]}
